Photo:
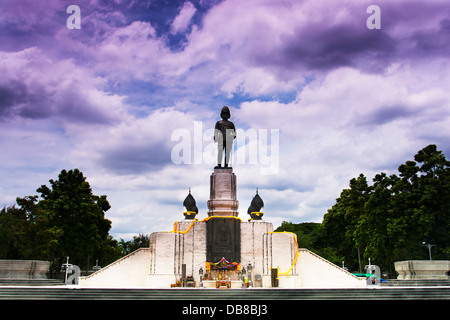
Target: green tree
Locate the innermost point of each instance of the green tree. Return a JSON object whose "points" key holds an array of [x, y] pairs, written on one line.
{"points": [[12, 229], [78, 214], [40, 238], [140, 241], [374, 229], [107, 251], [433, 214], [340, 223], [25, 232], [125, 247], [421, 203], [304, 232], [389, 220]]}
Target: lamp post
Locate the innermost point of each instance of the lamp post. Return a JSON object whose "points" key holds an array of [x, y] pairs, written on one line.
{"points": [[243, 276], [249, 268], [429, 246], [67, 269], [200, 272]]}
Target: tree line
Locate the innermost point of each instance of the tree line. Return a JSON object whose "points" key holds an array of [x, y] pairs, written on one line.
{"points": [[389, 220], [67, 219]]}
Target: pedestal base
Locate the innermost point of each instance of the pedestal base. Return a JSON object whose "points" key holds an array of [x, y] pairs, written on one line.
{"points": [[224, 208], [222, 200]]}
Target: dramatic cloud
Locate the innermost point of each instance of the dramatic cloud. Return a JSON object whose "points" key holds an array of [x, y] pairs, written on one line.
{"points": [[107, 98], [34, 86]]}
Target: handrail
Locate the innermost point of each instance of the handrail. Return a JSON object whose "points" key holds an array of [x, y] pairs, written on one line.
{"points": [[196, 220]]}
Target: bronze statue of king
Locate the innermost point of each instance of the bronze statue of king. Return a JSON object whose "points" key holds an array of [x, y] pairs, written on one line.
{"points": [[224, 134]]}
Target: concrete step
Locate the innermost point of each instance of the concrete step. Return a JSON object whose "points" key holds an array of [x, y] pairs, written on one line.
{"points": [[417, 283], [72, 293]]}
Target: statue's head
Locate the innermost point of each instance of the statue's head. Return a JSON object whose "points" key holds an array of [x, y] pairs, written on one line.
{"points": [[225, 113]]}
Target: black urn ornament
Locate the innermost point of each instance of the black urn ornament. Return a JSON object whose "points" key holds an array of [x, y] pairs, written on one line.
{"points": [[255, 207], [191, 208]]}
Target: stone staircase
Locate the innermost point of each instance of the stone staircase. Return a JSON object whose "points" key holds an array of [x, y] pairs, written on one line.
{"points": [[75, 293], [128, 271]]}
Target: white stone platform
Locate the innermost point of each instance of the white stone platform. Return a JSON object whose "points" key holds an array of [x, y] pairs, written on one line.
{"points": [[183, 253], [160, 266]]}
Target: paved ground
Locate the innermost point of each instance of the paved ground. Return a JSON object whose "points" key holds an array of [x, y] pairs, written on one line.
{"points": [[181, 303]]}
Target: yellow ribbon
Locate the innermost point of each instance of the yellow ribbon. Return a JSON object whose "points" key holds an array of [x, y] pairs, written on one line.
{"points": [[196, 220], [296, 253]]}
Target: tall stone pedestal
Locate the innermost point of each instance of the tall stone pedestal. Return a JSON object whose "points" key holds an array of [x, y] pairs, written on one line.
{"points": [[222, 200], [223, 234]]}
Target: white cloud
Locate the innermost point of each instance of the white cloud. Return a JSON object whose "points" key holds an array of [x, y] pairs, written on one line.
{"points": [[182, 21]]}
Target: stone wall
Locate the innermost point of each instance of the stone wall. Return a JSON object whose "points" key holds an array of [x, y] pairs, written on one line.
{"points": [[423, 269], [23, 269], [254, 245], [186, 244]]}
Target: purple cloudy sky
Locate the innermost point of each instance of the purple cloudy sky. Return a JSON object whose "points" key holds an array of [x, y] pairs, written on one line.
{"points": [[107, 98]]}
